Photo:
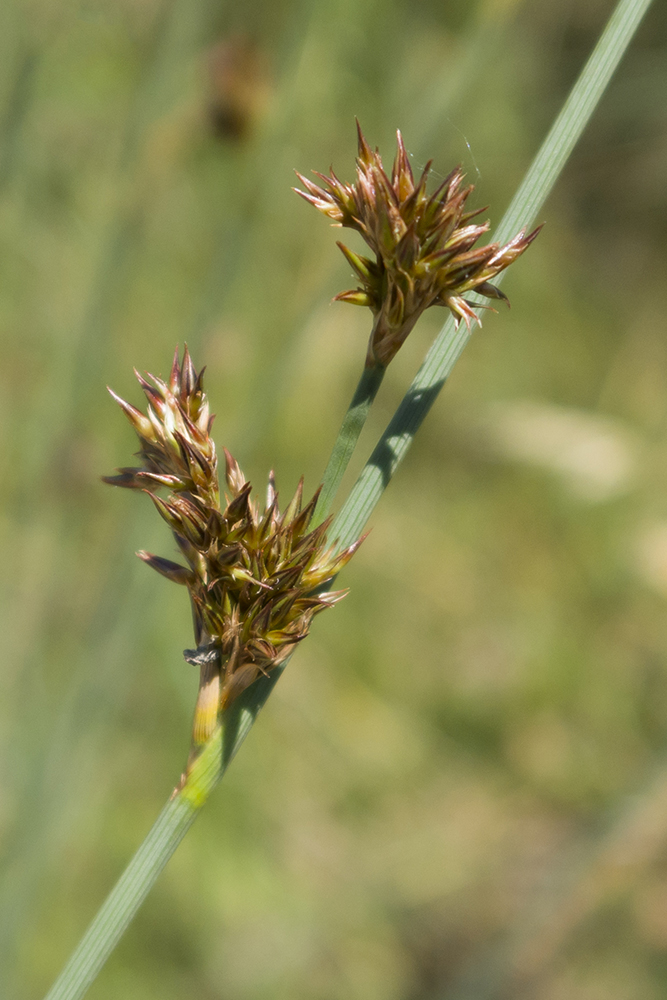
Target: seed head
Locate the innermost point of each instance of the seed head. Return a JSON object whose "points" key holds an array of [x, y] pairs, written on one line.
{"points": [[422, 245], [176, 448], [256, 576]]}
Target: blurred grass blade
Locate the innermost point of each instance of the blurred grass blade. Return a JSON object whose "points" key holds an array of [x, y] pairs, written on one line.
{"points": [[531, 195], [178, 815]]}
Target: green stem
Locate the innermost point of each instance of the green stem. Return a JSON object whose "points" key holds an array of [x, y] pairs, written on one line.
{"points": [[179, 814], [445, 351], [122, 903], [348, 435]]}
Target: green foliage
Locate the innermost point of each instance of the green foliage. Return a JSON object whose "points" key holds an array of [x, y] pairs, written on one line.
{"points": [[495, 684]]}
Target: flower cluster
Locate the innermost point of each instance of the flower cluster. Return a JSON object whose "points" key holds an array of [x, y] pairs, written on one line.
{"points": [[423, 245], [256, 577]]}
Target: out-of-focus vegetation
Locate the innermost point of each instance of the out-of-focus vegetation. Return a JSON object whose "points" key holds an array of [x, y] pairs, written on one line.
{"points": [[459, 788]]}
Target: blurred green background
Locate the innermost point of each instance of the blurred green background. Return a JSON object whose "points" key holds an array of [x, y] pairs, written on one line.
{"points": [[459, 789]]}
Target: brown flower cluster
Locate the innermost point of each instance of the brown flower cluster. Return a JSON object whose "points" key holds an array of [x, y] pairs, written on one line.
{"points": [[255, 577], [423, 245]]}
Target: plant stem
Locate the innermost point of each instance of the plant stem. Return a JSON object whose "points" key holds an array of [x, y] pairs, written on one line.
{"points": [[348, 435], [445, 351], [122, 903], [178, 815]]}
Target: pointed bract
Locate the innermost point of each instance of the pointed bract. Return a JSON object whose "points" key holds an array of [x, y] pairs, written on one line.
{"points": [[175, 445]]}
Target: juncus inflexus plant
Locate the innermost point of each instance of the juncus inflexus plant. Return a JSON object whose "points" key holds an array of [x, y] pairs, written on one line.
{"points": [[424, 255], [423, 245], [257, 577]]}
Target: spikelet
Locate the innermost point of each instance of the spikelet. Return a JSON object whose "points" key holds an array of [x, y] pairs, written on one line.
{"points": [[255, 575], [423, 245]]}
